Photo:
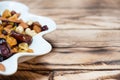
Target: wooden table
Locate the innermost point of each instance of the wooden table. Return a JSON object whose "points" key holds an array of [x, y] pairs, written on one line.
{"points": [[86, 44]]}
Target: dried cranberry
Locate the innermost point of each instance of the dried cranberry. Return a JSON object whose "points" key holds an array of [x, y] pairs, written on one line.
{"points": [[44, 28]]}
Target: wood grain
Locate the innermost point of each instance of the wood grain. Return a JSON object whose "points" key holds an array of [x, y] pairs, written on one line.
{"points": [[28, 75], [87, 75], [87, 58], [84, 38], [86, 44]]}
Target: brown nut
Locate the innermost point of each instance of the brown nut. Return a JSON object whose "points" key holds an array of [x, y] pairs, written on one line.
{"points": [[24, 25], [30, 51], [14, 17], [14, 50], [37, 29], [2, 67]]}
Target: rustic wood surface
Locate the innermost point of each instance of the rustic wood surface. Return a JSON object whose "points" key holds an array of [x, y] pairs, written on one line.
{"points": [[86, 44]]}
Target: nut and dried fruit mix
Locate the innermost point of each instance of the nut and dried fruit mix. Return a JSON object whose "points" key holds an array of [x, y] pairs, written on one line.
{"points": [[16, 35]]}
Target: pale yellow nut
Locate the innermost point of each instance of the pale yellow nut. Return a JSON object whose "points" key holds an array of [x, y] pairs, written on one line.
{"points": [[0, 22], [19, 29], [30, 32], [30, 22], [23, 46]]}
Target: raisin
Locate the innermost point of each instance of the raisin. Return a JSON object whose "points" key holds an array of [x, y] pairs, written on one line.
{"points": [[13, 12], [44, 28]]}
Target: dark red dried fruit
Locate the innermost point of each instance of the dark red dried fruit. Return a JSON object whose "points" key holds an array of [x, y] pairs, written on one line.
{"points": [[21, 37], [5, 51], [44, 28], [13, 12]]}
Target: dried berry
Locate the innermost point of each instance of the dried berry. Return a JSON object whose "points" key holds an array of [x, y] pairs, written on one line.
{"points": [[13, 12], [44, 28]]}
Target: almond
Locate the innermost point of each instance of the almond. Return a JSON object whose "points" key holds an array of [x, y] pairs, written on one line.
{"points": [[2, 67], [37, 28], [24, 25]]}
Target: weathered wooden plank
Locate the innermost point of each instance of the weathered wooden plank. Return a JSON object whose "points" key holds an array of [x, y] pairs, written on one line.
{"points": [[84, 38], [84, 56], [83, 19], [52, 67], [76, 58], [87, 75], [90, 16], [27, 75], [74, 3]]}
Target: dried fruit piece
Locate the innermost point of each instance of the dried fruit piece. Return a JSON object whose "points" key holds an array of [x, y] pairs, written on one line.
{"points": [[7, 20], [2, 36], [14, 17], [11, 41], [13, 12], [1, 27], [44, 28], [6, 14], [5, 50], [21, 37]]}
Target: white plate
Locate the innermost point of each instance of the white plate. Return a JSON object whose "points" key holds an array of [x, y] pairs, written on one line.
{"points": [[39, 44]]}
